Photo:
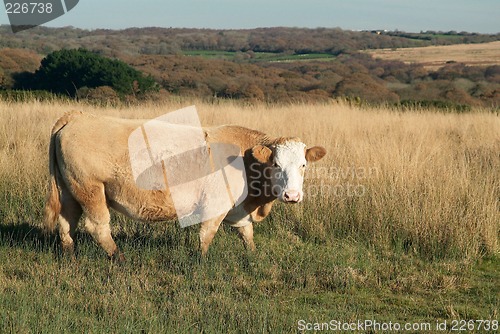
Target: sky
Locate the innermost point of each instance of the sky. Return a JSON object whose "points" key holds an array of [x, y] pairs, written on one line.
{"points": [[481, 16]]}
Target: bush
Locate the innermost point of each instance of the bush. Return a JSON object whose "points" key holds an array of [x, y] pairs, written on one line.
{"points": [[365, 87], [66, 71]]}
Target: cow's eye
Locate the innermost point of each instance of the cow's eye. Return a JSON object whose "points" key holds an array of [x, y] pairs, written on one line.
{"points": [[303, 166]]}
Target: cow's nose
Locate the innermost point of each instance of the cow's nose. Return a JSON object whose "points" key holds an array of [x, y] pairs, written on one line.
{"points": [[292, 196]]}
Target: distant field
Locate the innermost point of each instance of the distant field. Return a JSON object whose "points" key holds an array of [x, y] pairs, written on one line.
{"points": [[399, 224], [433, 57], [259, 56]]}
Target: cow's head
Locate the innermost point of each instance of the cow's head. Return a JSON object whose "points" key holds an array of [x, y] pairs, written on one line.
{"points": [[285, 165]]}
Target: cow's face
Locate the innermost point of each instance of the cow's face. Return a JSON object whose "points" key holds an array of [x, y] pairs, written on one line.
{"points": [[285, 166]]}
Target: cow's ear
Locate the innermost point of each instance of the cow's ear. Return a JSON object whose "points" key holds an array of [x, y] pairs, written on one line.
{"points": [[262, 153], [315, 153]]}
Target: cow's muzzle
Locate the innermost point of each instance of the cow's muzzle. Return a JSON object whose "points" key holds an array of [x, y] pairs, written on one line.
{"points": [[292, 196]]}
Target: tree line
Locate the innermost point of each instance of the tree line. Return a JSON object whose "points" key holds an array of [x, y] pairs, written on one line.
{"points": [[171, 41]]}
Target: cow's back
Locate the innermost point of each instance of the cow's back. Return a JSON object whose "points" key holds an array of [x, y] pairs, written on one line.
{"points": [[94, 146], [92, 152]]}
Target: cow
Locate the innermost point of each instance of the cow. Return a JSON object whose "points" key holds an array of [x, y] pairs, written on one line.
{"points": [[90, 172]]}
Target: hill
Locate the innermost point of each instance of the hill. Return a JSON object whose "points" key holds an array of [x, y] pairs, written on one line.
{"points": [[167, 41], [272, 64]]}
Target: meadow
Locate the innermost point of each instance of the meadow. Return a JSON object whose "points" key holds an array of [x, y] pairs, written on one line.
{"points": [[400, 223], [259, 56], [436, 56]]}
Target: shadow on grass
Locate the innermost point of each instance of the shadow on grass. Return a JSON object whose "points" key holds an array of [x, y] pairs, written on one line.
{"points": [[168, 247], [26, 236], [29, 237]]}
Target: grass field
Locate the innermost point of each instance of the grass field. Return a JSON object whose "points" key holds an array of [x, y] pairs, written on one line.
{"points": [[260, 56], [400, 223], [433, 57]]}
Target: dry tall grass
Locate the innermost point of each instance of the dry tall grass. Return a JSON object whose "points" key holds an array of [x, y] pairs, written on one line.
{"points": [[422, 182]]}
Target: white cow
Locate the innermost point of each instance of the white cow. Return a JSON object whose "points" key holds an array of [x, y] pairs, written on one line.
{"points": [[90, 171]]}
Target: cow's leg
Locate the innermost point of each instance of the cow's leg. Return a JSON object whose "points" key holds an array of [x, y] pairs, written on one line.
{"points": [[97, 219], [70, 214], [246, 234], [207, 232], [98, 226]]}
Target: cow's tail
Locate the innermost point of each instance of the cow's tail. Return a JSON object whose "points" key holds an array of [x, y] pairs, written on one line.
{"points": [[53, 203]]}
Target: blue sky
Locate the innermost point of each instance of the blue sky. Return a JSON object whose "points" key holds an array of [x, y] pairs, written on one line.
{"points": [[407, 15]]}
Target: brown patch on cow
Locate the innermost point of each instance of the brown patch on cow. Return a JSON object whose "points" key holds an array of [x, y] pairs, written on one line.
{"points": [[261, 211], [262, 153], [282, 140]]}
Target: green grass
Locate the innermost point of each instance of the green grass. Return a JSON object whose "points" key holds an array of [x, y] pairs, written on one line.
{"points": [[211, 54], [259, 56], [165, 286]]}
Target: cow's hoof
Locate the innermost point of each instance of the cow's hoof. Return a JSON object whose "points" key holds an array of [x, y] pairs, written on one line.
{"points": [[118, 257], [68, 251]]}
